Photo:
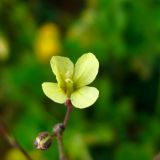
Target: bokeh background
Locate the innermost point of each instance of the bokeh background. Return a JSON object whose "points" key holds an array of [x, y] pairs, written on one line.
{"points": [[124, 123]]}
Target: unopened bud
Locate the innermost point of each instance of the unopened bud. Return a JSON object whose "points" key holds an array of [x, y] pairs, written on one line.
{"points": [[43, 141], [58, 128]]}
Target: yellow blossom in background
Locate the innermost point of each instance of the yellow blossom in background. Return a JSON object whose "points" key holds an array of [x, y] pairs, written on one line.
{"points": [[15, 154], [47, 42], [73, 80], [4, 48]]}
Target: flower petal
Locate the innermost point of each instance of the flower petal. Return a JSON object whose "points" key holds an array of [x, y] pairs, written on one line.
{"points": [[84, 97], [54, 92], [63, 68], [86, 70]]}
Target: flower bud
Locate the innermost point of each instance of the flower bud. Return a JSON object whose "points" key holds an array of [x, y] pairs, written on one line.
{"points": [[43, 141], [58, 128]]}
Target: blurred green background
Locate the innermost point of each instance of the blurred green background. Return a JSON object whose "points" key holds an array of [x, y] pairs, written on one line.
{"points": [[124, 123]]}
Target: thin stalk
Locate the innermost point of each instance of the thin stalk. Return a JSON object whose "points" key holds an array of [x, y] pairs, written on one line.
{"points": [[60, 134], [69, 109], [12, 141], [61, 148], [158, 94]]}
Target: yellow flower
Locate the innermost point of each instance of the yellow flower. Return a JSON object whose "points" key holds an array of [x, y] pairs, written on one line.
{"points": [[47, 42], [73, 80], [4, 48]]}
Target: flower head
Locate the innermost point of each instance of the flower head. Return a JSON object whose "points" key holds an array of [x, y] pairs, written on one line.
{"points": [[73, 80]]}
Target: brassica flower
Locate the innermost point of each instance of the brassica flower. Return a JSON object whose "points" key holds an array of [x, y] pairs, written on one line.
{"points": [[73, 81]]}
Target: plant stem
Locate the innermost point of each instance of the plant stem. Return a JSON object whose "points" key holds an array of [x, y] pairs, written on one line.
{"points": [[12, 141], [69, 109], [60, 134], [158, 95], [60, 147]]}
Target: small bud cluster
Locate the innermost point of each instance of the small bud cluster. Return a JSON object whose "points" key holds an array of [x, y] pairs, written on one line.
{"points": [[43, 141]]}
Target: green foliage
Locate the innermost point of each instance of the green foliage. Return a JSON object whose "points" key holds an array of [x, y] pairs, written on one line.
{"points": [[124, 35]]}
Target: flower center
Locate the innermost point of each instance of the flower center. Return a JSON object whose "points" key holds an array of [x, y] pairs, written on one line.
{"points": [[69, 86]]}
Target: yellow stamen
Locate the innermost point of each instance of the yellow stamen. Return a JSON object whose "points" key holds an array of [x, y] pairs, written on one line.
{"points": [[69, 86]]}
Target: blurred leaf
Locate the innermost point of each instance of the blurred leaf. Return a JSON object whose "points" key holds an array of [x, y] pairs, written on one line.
{"points": [[82, 153], [131, 151]]}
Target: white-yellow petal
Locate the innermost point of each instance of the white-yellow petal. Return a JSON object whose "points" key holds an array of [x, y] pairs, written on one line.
{"points": [[86, 69], [84, 97], [54, 92], [63, 68]]}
